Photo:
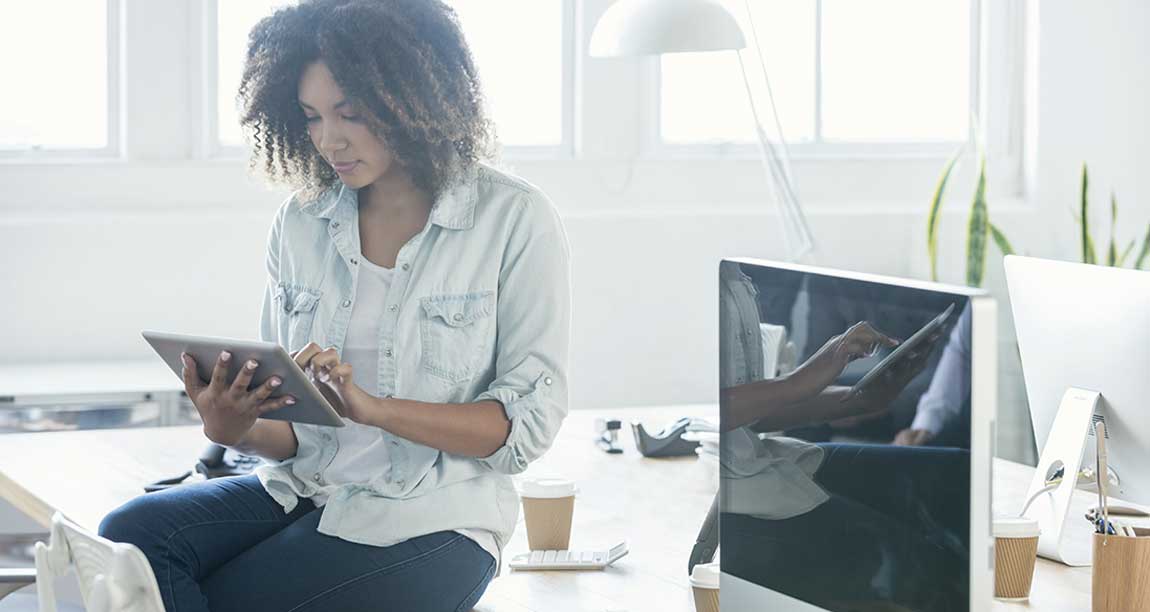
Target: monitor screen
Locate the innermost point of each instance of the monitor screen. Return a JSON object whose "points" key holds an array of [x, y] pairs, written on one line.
{"points": [[846, 434]]}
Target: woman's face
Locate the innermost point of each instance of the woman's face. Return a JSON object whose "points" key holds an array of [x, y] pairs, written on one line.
{"points": [[338, 131]]}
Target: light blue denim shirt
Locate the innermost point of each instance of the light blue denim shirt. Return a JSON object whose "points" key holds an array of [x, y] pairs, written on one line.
{"points": [[479, 309]]}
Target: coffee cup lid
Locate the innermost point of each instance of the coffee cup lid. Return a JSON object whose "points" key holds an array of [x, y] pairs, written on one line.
{"points": [[547, 488], [1020, 527], [705, 576]]}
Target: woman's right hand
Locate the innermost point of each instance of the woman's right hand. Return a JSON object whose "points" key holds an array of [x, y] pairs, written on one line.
{"points": [[230, 410], [822, 369]]}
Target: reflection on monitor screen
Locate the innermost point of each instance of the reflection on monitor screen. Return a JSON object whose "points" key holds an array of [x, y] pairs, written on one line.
{"points": [[846, 418]]}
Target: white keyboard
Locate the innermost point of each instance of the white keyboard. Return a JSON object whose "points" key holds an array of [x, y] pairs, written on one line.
{"points": [[567, 559]]}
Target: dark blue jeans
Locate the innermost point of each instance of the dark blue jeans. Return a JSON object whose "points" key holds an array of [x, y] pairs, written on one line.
{"points": [[225, 544], [896, 530]]}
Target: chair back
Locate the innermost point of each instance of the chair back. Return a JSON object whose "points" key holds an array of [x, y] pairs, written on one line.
{"points": [[112, 575]]}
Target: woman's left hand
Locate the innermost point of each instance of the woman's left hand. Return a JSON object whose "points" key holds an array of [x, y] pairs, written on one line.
{"points": [[335, 381]]}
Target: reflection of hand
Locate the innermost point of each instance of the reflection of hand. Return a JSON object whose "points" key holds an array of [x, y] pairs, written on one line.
{"points": [[828, 363], [912, 437], [878, 395]]}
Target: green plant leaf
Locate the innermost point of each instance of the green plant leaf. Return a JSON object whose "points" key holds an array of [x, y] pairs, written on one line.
{"points": [[1112, 249], [977, 230], [1125, 253], [932, 216], [1001, 241], [1144, 251], [1088, 255]]}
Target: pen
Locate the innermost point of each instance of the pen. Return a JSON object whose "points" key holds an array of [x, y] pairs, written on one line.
{"points": [[1103, 473]]}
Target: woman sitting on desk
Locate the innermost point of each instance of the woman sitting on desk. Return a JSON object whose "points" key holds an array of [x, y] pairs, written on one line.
{"points": [[427, 294], [836, 525]]}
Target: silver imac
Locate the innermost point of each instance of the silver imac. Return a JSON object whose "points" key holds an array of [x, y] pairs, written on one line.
{"points": [[842, 491], [1084, 339]]}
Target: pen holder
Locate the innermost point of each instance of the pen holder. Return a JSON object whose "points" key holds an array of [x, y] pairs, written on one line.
{"points": [[1121, 580]]}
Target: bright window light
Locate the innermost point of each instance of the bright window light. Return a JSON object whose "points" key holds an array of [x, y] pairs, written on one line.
{"points": [[520, 65], [891, 71], [896, 70], [703, 99], [234, 20], [55, 75], [521, 68]]}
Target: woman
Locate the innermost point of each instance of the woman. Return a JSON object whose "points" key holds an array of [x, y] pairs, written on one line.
{"points": [[428, 295]]}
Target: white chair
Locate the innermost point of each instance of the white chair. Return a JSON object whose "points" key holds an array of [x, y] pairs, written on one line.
{"points": [[112, 575]]}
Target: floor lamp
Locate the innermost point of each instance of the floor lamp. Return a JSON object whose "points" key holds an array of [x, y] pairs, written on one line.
{"points": [[631, 28]]}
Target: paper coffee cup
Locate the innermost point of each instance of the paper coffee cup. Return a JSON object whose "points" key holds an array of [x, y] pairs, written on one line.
{"points": [[548, 504], [705, 587], [1015, 551]]}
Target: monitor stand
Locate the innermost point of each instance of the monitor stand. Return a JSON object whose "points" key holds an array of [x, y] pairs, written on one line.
{"points": [[1064, 447]]}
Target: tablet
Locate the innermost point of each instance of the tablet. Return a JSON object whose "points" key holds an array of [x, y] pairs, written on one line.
{"points": [[310, 407], [921, 338]]}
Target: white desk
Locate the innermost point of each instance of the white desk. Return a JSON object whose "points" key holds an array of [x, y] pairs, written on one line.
{"points": [[657, 505]]}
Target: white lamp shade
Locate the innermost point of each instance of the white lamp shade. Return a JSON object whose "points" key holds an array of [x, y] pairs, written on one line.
{"points": [[653, 27]]}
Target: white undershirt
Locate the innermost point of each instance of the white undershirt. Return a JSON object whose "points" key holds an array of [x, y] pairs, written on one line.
{"points": [[361, 453]]}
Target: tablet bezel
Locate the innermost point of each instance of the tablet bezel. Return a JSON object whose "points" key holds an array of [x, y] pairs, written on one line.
{"points": [[311, 406]]}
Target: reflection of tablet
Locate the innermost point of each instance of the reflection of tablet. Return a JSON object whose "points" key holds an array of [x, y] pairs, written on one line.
{"points": [[919, 339], [310, 406]]}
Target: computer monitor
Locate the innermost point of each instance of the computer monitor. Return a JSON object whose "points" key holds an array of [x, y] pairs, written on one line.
{"points": [[1087, 327], [819, 510]]}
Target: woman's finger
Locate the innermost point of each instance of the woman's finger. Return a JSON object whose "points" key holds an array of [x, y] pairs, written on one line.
{"points": [[219, 380], [267, 406], [342, 373], [265, 390], [303, 356], [192, 382], [244, 378]]}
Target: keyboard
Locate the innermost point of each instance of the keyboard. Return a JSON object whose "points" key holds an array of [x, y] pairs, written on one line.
{"points": [[567, 559]]}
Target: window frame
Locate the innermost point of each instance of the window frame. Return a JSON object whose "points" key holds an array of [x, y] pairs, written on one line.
{"points": [[996, 31], [113, 137]]}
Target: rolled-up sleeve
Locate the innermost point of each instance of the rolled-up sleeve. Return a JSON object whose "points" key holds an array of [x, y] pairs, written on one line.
{"points": [[533, 335], [269, 324]]}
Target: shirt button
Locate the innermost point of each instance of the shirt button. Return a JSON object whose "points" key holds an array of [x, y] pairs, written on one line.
{"points": [[393, 307], [346, 303], [335, 225], [406, 267], [387, 352], [354, 261], [457, 317], [316, 477], [547, 380]]}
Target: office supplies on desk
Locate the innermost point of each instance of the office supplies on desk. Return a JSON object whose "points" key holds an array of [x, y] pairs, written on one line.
{"points": [[1121, 573], [608, 435], [1100, 437], [568, 559], [669, 442]]}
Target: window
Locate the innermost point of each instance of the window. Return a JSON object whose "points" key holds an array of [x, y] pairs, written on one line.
{"points": [[233, 22], [521, 69], [841, 71], [56, 94], [522, 75]]}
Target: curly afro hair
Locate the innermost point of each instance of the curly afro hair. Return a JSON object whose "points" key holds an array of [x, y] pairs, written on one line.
{"points": [[405, 63]]}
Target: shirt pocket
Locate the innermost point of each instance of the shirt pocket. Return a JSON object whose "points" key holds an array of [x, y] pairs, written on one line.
{"points": [[454, 332], [297, 307]]}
